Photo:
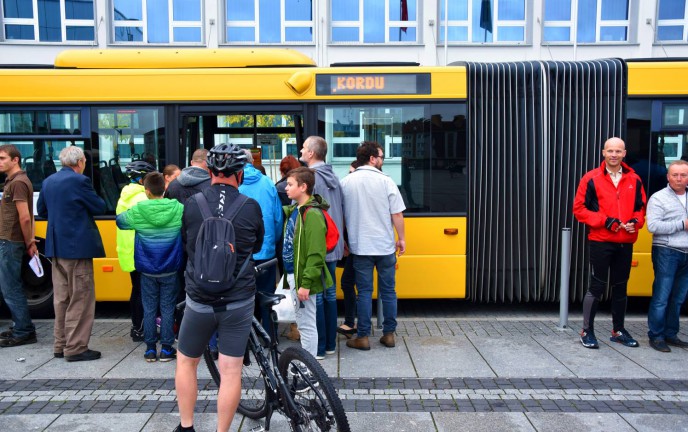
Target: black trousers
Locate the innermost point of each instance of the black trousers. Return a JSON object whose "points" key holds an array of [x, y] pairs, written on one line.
{"points": [[135, 303], [608, 262]]}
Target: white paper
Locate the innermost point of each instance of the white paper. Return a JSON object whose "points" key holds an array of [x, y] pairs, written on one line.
{"points": [[35, 264]]}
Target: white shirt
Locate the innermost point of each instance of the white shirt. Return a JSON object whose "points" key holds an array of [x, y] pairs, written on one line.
{"points": [[370, 199]]}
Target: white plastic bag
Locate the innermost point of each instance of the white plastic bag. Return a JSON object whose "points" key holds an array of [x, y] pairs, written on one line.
{"points": [[286, 309]]}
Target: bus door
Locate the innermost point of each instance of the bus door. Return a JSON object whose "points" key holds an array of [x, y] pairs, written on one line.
{"points": [[270, 135]]}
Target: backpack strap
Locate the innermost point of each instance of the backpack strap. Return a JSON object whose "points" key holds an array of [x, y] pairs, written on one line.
{"points": [[232, 211], [203, 205]]}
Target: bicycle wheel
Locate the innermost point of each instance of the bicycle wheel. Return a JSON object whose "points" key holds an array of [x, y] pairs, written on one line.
{"points": [[253, 393], [312, 391], [212, 366]]}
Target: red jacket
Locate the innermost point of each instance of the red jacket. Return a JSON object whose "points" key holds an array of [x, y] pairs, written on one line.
{"points": [[597, 199]]}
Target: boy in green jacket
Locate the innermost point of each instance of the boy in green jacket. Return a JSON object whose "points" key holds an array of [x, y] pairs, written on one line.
{"points": [[304, 251], [132, 194], [158, 255]]}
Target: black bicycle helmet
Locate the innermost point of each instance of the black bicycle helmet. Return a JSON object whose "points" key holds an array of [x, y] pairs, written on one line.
{"points": [[138, 169], [227, 159]]}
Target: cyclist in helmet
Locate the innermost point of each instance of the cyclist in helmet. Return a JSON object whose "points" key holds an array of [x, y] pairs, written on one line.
{"points": [[131, 194], [228, 312]]}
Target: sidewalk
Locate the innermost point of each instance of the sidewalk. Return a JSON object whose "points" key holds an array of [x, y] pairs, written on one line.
{"points": [[488, 371]]}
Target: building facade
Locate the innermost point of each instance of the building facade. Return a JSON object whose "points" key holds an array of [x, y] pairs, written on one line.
{"points": [[428, 32]]}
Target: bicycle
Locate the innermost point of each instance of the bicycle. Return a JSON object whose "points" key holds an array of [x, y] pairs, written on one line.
{"points": [[290, 382]]}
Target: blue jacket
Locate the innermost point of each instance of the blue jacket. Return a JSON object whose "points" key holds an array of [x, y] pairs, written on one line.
{"points": [[261, 189], [68, 201], [158, 240]]}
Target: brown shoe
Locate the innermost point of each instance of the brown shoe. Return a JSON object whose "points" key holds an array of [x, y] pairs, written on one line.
{"points": [[388, 340], [359, 343], [293, 333]]}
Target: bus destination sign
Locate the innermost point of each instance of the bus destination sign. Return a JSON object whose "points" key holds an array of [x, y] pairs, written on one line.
{"points": [[372, 84]]}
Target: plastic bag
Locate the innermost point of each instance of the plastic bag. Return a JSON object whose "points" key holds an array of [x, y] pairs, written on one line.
{"points": [[286, 309]]}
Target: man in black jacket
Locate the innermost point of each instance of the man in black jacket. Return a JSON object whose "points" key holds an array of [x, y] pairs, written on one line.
{"points": [[229, 312]]}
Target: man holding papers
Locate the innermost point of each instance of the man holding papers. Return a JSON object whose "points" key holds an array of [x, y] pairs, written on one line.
{"points": [[16, 238]]}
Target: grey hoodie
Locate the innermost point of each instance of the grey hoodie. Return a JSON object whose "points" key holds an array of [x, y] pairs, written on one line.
{"points": [[190, 181], [327, 186]]}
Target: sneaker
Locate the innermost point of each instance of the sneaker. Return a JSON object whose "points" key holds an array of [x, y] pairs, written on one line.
{"points": [[151, 356], [588, 339], [136, 335], [624, 337], [320, 357], [15, 341], [330, 352], [675, 341], [660, 345], [179, 428], [300, 374], [168, 354]]}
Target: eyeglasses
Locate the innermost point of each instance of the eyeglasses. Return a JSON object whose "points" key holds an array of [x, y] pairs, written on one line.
{"points": [[381, 157]]}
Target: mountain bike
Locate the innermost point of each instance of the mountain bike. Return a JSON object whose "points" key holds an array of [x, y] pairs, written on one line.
{"points": [[290, 382]]}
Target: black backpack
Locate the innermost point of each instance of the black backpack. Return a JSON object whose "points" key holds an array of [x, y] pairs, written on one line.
{"points": [[215, 258]]}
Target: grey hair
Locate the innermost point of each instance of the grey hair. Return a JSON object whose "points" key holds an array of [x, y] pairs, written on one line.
{"points": [[70, 156], [249, 156], [318, 146]]}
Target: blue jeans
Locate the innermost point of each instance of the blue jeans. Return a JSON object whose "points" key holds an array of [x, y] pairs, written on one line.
{"points": [[12, 287], [326, 314], [158, 291], [385, 265], [668, 292]]}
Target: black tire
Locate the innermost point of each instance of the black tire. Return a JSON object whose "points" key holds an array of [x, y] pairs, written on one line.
{"points": [[39, 290], [212, 366], [253, 402], [320, 400]]}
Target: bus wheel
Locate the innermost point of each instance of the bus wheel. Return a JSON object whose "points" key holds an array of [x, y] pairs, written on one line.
{"points": [[39, 290]]}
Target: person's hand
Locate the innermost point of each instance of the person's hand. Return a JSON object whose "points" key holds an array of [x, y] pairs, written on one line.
{"points": [[303, 294], [630, 227], [613, 224], [31, 249], [401, 247]]}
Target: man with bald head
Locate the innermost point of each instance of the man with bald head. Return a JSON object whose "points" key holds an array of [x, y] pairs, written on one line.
{"points": [[610, 200]]}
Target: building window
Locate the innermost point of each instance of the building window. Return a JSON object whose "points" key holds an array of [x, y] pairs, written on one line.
{"points": [[157, 21], [672, 20], [48, 20], [269, 21], [374, 21], [597, 21], [482, 21]]}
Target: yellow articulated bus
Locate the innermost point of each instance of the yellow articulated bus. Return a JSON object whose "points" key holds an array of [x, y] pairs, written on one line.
{"points": [[486, 156]]}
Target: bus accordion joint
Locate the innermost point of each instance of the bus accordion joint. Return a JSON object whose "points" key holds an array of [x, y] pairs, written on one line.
{"points": [[451, 231], [108, 268], [300, 82]]}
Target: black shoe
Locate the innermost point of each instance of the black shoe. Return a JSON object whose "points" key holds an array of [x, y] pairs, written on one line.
{"points": [[6, 334], [168, 354], [660, 345], [675, 341], [87, 355], [624, 338], [349, 333], [136, 335], [58, 355], [179, 428], [15, 341]]}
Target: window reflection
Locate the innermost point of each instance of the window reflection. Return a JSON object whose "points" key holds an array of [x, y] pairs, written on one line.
{"points": [[672, 20], [182, 25], [483, 20], [424, 145], [269, 21], [597, 20], [21, 17], [377, 21]]}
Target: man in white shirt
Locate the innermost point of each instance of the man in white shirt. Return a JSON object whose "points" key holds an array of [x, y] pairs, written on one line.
{"points": [[373, 211]]}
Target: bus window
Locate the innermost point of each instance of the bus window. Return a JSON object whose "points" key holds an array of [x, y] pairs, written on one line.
{"points": [[424, 145], [124, 134]]}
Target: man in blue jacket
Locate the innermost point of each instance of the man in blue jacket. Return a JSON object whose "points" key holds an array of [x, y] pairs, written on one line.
{"points": [[69, 203], [261, 189]]}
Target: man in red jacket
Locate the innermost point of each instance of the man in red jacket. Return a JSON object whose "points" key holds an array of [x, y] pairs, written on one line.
{"points": [[610, 200]]}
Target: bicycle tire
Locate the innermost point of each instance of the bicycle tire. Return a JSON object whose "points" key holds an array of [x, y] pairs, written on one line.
{"points": [[253, 402], [212, 366], [320, 399]]}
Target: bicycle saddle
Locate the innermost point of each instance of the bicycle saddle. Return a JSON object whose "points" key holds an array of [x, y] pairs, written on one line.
{"points": [[267, 300]]}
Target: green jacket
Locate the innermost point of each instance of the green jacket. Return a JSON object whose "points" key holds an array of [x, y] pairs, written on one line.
{"points": [[309, 245], [131, 194]]}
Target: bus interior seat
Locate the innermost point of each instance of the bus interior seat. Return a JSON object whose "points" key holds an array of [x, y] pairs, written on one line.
{"points": [[34, 172], [108, 187], [117, 175]]}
